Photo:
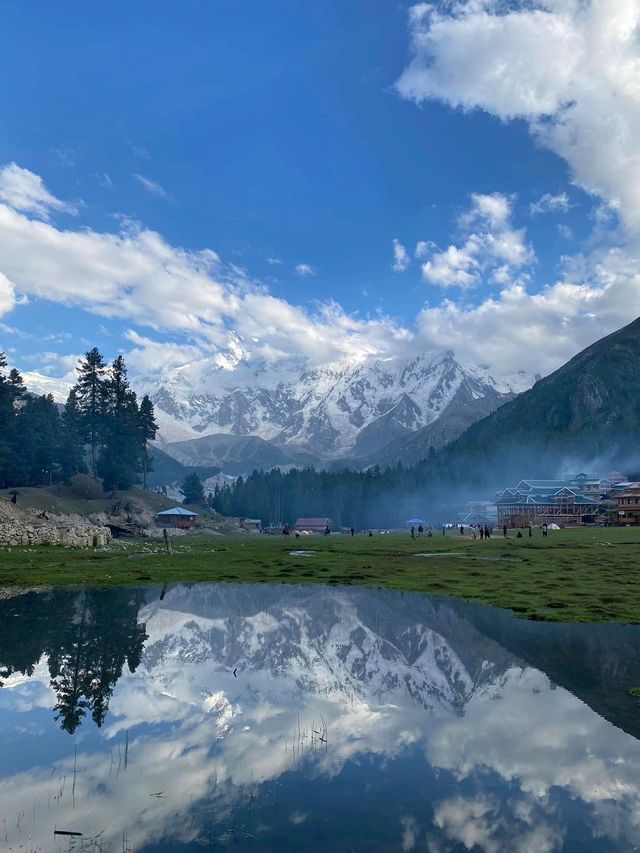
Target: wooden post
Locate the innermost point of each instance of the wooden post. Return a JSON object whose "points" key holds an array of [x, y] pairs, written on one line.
{"points": [[167, 541]]}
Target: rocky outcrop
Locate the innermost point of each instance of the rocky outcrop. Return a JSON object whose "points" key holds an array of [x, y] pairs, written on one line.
{"points": [[16, 532]]}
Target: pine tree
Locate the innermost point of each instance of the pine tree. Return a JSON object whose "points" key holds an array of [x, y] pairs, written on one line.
{"points": [[120, 454], [192, 489], [71, 447], [36, 441], [90, 394], [147, 429]]}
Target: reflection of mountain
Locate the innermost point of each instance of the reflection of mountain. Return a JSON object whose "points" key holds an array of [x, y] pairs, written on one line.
{"points": [[356, 719], [329, 642], [438, 651], [86, 636], [597, 663]]}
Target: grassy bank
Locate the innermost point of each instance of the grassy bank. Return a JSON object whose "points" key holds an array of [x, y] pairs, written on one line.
{"points": [[588, 575]]}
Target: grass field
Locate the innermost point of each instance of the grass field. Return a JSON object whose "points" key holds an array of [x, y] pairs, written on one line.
{"points": [[590, 575]]}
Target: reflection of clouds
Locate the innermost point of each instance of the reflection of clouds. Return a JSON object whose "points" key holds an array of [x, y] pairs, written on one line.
{"points": [[198, 737], [481, 822], [541, 738]]}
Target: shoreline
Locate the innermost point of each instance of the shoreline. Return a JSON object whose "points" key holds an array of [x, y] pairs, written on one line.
{"points": [[581, 575]]}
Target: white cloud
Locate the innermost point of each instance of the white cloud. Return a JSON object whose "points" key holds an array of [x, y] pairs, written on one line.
{"points": [[7, 295], [152, 187], [568, 67], [401, 260], [194, 300], [565, 232], [274, 262], [540, 331], [422, 249], [491, 246], [23, 190], [135, 275], [550, 204], [104, 180], [305, 270]]}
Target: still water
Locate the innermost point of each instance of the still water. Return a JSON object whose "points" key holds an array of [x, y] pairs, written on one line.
{"points": [[224, 717]]}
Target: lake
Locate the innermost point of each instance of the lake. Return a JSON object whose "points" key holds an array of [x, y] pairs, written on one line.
{"points": [[227, 716]]}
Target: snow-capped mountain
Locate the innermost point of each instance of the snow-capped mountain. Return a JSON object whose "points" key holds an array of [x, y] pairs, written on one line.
{"points": [[324, 642], [341, 409]]}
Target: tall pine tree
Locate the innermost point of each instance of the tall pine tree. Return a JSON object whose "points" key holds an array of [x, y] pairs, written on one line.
{"points": [[147, 429], [90, 395], [121, 449]]}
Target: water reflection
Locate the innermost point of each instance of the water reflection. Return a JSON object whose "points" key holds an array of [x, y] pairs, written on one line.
{"points": [[285, 718]]}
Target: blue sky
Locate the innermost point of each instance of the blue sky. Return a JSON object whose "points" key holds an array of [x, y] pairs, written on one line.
{"points": [[297, 141]]}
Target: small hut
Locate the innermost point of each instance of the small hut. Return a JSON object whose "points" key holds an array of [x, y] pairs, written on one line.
{"points": [[313, 525], [253, 524], [177, 517]]}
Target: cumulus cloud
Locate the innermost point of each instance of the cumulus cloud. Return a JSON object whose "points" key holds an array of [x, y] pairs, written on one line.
{"points": [[274, 262], [7, 295], [152, 187], [23, 190], [568, 67], [401, 260], [594, 297], [490, 246], [422, 249], [137, 276], [549, 203], [305, 270]]}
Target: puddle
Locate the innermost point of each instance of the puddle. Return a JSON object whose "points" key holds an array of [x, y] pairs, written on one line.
{"points": [[472, 557], [285, 711], [302, 553]]}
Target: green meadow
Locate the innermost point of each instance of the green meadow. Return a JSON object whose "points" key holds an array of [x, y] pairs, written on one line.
{"points": [[588, 575]]}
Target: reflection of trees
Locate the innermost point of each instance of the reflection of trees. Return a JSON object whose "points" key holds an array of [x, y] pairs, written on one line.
{"points": [[87, 637]]}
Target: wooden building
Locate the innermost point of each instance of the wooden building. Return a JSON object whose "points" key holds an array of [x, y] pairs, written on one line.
{"points": [[177, 517], [252, 524], [313, 525], [627, 509], [546, 502]]}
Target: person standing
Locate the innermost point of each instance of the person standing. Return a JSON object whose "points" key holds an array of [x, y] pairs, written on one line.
{"points": [[530, 530], [413, 532], [504, 530], [487, 532], [353, 532], [461, 530]]}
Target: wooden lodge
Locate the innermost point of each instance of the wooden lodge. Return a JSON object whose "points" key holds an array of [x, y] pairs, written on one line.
{"points": [[540, 502], [627, 508], [313, 525], [253, 525], [177, 517]]}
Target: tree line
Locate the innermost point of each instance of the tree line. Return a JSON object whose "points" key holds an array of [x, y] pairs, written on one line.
{"points": [[374, 498], [102, 429]]}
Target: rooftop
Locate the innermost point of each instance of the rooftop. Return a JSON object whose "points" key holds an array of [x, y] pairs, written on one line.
{"points": [[177, 510]]}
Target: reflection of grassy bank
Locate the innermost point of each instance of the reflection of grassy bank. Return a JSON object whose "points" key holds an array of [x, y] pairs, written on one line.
{"points": [[577, 575]]}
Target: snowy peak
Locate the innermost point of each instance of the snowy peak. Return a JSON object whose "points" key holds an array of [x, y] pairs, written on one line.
{"points": [[330, 411]]}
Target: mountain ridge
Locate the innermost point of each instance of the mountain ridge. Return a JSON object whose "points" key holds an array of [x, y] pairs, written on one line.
{"points": [[327, 413]]}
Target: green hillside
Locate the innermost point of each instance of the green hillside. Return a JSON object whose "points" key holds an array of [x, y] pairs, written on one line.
{"points": [[589, 409]]}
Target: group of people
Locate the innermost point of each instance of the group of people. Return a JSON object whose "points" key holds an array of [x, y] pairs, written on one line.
{"points": [[481, 530], [544, 528]]}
